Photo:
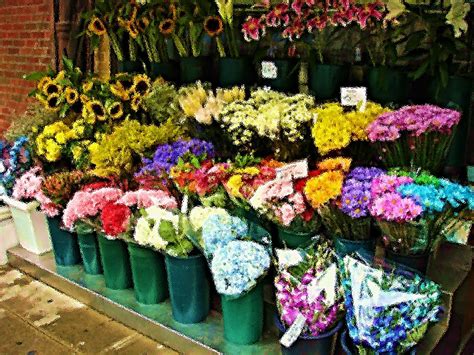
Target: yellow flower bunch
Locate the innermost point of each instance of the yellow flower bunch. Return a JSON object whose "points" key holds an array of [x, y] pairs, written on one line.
{"points": [[321, 189], [339, 163], [235, 182], [51, 142], [116, 153], [334, 129]]}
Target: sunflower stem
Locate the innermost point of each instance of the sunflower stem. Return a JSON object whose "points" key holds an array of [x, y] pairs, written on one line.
{"points": [[179, 46], [115, 45], [220, 47]]}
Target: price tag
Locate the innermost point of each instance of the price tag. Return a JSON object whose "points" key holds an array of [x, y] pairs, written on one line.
{"points": [[293, 332], [326, 282], [269, 70], [354, 96], [288, 257], [184, 204], [296, 170]]}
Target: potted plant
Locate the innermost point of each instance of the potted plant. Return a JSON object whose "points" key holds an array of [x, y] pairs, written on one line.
{"points": [[308, 287], [414, 212], [146, 260], [404, 138], [164, 230]]}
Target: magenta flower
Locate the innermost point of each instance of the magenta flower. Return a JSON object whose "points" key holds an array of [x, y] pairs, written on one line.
{"points": [[253, 29], [279, 15]]}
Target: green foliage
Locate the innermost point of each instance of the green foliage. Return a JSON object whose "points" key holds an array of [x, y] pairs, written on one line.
{"points": [[162, 103]]}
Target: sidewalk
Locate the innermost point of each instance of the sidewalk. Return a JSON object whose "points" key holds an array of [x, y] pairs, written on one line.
{"points": [[37, 319]]}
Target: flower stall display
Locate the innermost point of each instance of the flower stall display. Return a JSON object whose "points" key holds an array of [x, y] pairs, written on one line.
{"points": [[414, 137], [414, 212], [308, 287], [388, 310], [282, 201], [30, 224], [336, 129]]}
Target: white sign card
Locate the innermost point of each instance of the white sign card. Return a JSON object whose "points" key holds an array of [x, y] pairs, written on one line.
{"points": [[354, 96], [295, 170], [293, 332], [269, 70]]}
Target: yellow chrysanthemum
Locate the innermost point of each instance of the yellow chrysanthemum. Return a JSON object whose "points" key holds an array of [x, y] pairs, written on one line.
{"points": [[323, 188], [340, 163], [76, 152], [231, 95], [53, 150]]}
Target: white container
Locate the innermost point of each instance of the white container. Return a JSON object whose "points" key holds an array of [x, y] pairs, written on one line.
{"points": [[31, 225], [8, 237]]}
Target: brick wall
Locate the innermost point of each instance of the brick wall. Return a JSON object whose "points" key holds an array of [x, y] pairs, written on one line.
{"points": [[26, 45]]}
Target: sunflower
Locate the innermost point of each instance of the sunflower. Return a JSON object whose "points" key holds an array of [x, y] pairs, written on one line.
{"points": [[71, 95], [213, 26], [53, 102], [115, 110], [167, 27], [132, 30], [125, 80], [141, 84], [43, 82], [96, 109], [118, 90], [97, 27], [136, 102], [87, 86], [142, 23], [51, 88], [84, 98]]}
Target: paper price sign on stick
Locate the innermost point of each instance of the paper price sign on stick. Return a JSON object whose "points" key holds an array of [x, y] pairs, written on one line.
{"points": [[354, 96], [269, 70]]}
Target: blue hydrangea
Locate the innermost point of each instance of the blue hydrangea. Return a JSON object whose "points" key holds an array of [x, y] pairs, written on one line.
{"points": [[237, 266], [15, 159], [218, 230]]}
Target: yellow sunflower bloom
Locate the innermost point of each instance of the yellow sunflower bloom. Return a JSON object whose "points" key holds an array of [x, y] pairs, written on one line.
{"points": [[87, 86], [97, 27], [115, 110], [132, 30], [51, 88], [43, 82], [118, 90], [167, 27], [72, 96], [136, 102], [213, 26], [141, 84], [96, 109], [53, 102], [143, 23]]}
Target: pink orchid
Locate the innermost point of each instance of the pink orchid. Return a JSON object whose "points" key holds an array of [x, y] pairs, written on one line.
{"points": [[278, 16], [253, 29]]}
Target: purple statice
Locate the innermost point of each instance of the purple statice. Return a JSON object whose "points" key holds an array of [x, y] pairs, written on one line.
{"points": [[167, 155], [356, 191]]}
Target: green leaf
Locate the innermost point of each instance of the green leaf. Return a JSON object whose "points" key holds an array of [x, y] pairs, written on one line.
{"points": [[95, 40], [167, 231], [415, 40], [420, 71], [195, 162], [68, 64], [36, 76]]}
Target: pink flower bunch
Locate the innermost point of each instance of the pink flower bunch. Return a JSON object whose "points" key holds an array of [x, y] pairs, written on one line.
{"points": [[415, 119], [146, 198], [387, 204], [89, 204], [300, 16]]}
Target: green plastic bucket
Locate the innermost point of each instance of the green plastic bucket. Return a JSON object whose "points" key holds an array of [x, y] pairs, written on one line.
{"points": [[193, 69], [189, 288], [167, 70], [347, 246], [387, 85], [236, 72], [287, 75], [243, 317], [90, 253], [65, 247], [128, 66], [292, 239], [325, 80], [116, 263], [417, 262], [149, 274]]}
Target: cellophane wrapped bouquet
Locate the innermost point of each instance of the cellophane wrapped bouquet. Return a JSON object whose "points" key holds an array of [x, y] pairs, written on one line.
{"points": [[388, 310], [414, 210], [417, 136], [15, 159], [308, 284]]}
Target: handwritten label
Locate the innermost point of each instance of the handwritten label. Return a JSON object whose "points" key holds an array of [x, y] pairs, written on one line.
{"points": [[293, 332], [269, 70], [327, 282], [296, 170], [354, 96], [288, 257]]}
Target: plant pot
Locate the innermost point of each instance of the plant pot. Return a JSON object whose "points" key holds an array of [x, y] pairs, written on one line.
{"points": [[149, 274], [65, 247], [456, 93], [243, 317], [349, 348], [287, 76], [90, 253], [8, 238], [30, 225], [128, 66], [235, 72], [116, 263], [414, 262], [470, 173], [347, 246], [189, 288], [308, 345], [292, 239], [325, 80], [193, 69], [385, 85], [167, 70]]}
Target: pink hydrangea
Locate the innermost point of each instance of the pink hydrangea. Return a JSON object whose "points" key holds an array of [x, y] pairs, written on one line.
{"points": [[146, 198]]}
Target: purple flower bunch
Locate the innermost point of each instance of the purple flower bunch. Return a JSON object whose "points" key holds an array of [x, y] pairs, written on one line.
{"points": [[415, 119], [356, 191], [168, 155]]}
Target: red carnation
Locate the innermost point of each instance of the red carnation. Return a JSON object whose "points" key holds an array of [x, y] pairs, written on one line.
{"points": [[115, 218]]}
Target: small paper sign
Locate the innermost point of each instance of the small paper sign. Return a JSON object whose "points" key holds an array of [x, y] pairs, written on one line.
{"points": [[293, 332], [354, 96], [296, 170], [326, 282], [184, 205], [288, 257], [269, 70]]}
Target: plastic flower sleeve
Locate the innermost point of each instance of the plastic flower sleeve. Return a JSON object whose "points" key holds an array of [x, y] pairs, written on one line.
{"points": [[387, 310], [308, 285]]}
